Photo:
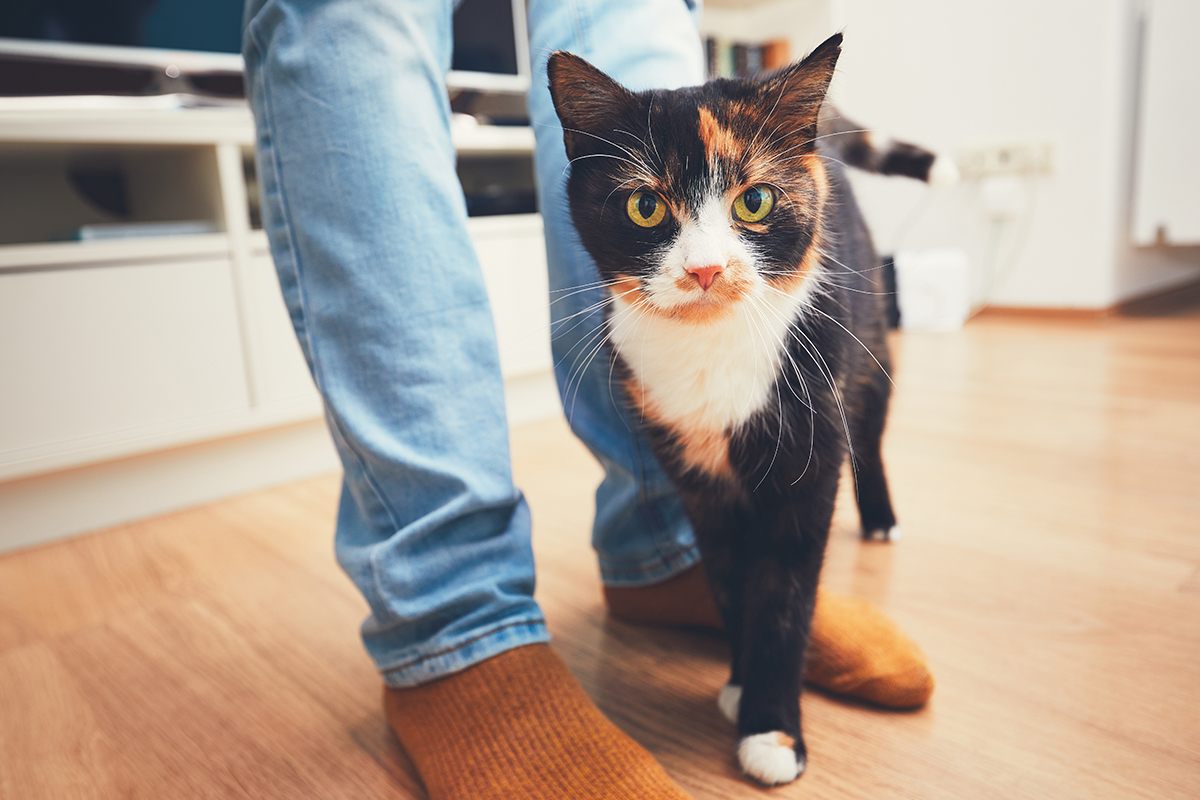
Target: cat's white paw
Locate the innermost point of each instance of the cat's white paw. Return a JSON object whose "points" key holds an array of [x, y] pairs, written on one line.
{"points": [[892, 534], [943, 172], [728, 701], [769, 758]]}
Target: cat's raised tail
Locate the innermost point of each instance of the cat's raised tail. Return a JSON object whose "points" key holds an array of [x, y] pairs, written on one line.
{"points": [[871, 151]]}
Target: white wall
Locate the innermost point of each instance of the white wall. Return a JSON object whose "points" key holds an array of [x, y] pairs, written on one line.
{"points": [[956, 75]]}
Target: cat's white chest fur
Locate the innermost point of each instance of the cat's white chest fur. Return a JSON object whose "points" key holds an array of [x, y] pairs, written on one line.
{"points": [[712, 375]]}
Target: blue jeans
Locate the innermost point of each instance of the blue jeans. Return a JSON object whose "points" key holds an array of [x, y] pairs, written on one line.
{"points": [[367, 227]]}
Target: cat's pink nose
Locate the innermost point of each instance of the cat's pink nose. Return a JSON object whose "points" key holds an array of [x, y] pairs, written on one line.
{"points": [[704, 275]]}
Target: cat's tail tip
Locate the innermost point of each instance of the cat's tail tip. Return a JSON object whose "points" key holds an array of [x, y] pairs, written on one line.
{"points": [[943, 171]]}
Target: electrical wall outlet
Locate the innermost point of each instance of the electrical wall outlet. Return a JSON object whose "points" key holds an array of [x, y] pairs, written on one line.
{"points": [[1028, 159]]}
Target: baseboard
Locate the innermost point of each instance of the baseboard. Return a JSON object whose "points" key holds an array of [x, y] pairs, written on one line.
{"points": [[50, 506], [1155, 300], [1045, 312]]}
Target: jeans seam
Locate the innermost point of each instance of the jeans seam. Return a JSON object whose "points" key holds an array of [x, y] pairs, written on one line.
{"points": [[424, 657], [663, 558], [294, 265]]}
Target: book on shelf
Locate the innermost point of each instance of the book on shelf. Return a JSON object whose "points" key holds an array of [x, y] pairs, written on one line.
{"points": [[108, 231], [729, 59]]}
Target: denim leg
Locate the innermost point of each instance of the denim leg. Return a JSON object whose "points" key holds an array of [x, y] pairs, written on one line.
{"points": [[640, 531], [368, 230]]}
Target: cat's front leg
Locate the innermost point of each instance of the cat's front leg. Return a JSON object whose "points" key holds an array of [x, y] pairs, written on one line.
{"points": [[783, 564], [719, 521]]}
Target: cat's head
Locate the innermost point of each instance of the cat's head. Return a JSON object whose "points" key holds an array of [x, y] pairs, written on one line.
{"points": [[691, 199]]}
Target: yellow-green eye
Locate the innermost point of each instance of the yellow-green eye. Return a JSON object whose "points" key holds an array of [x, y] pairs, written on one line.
{"points": [[646, 209], [754, 204]]}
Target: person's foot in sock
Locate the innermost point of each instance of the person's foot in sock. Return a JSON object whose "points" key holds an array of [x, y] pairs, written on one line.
{"points": [[854, 649], [518, 725]]}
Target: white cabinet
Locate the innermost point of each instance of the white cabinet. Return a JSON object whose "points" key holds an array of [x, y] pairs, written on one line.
{"points": [[1166, 200], [127, 347]]}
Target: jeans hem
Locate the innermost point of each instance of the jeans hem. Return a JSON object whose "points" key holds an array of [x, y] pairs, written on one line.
{"points": [[664, 565], [466, 653]]}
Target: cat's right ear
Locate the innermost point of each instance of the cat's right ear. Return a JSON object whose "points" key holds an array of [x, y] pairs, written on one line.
{"points": [[587, 102]]}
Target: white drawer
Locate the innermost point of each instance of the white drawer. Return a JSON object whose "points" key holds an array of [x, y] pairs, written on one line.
{"points": [[101, 361], [281, 374]]}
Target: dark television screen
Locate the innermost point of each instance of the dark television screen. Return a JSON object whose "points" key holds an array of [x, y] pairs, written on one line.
{"points": [[483, 37], [210, 25], [483, 29]]}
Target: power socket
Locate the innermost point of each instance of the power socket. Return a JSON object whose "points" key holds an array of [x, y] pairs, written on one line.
{"points": [[1029, 159]]}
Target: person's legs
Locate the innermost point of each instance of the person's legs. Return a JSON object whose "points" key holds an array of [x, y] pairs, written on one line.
{"points": [[367, 226]]}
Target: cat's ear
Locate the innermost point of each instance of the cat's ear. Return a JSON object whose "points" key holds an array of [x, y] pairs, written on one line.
{"points": [[587, 101], [795, 93]]}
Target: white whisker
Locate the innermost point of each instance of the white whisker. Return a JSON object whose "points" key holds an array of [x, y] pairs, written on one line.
{"points": [[860, 342]]}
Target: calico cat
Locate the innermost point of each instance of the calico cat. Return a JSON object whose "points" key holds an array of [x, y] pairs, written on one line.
{"points": [[748, 333]]}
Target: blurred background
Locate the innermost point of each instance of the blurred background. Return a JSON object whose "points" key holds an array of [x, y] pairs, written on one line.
{"points": [[1048, 383], [124, 142]]}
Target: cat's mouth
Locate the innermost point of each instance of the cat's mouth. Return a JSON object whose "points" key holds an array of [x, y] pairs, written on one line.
{"points": [[708, 288], [714, 288], [685, 297], [711, 301]]}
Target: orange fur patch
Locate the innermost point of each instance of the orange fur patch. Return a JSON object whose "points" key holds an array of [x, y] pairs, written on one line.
{"points": [[783, 740], [696, 313], [627, 284], [700, 448], [736, 108], [705, 450], [718, 140], [816, 167]]}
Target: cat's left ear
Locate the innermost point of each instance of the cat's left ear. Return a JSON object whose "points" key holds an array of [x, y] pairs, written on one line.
{"points": [[587, 102], [795, 93]]}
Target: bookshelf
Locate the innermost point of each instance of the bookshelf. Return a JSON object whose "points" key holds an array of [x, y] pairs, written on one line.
{"points": [[784, 29]]}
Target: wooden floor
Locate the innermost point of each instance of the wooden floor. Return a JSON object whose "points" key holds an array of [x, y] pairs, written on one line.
{"points": [[1047, 475]]}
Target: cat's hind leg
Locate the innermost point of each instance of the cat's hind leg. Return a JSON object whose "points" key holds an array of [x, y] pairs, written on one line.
{"points": [[871, 486]]}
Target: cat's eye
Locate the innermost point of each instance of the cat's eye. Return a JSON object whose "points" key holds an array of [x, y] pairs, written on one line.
{"points": [[646, 209], [754, 204]]}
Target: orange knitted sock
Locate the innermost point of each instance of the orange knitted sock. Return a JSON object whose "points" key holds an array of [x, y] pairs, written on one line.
{"points": [[854, 649], [519, 726]]}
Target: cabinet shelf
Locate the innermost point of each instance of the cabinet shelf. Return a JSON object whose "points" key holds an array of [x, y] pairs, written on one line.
{"points": [[492, 140], [68, 254], [159, 125]]}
